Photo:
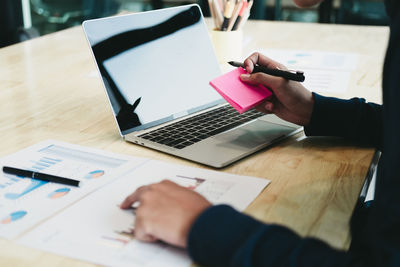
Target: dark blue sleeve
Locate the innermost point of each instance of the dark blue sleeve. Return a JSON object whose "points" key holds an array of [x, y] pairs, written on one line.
{"points": [[352, 119], [222, 236]]}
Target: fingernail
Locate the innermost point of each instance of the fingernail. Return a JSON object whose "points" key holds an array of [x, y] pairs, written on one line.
{"points": [[244, 76]]}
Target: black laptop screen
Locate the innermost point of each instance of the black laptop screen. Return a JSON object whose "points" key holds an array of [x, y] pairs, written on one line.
{"points": [[155, 65]]}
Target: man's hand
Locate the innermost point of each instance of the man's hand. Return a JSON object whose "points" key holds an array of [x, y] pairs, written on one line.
{"points": [[166, 212], [291, 101]]}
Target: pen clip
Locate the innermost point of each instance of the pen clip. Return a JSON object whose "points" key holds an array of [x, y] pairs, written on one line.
{"points": [[298, 72]]}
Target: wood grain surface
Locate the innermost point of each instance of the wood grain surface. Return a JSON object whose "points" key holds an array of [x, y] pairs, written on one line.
{"points": [[50, 90]]}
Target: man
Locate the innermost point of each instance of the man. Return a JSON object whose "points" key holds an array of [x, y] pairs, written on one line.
{"points": [[220, 236]]}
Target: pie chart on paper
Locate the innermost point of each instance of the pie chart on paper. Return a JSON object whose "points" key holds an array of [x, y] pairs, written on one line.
{"points": [[94, 174], [59, 193], [13, 217]]}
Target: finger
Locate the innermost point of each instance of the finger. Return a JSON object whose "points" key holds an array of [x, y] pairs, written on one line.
{"points": [[169, 183], [261, 109], [140, 233], [250, 62], [164, 186], [260, 59], [173, 191], [142, 236], [269, 106], [266, 106], [134, 197], [168, 186], [271, 82], [142, 230]]}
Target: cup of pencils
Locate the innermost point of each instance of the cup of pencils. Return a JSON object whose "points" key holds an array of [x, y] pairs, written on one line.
{"points": [[228, 16]]}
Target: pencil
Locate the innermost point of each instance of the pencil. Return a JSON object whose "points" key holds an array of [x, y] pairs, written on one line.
{"points": [[212, 12], [240, 15], [227, 14], [235, 13], [246, 15], [218, 14]]}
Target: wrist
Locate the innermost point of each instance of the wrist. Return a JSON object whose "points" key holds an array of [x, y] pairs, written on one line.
{"points": [[309, 107], [190, 221]]}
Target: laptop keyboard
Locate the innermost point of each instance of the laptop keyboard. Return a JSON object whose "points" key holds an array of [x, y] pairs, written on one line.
{"points": [[194, 129]]}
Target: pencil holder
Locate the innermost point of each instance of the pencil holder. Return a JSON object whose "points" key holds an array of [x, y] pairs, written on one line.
{"points": [[227, 45]]}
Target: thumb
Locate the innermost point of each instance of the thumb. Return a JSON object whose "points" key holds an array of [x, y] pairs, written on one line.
{"points": [[271, 82]]}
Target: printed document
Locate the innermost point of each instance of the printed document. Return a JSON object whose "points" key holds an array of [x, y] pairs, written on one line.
{"points": [[86, 223], [325, 72], [24, 202]]}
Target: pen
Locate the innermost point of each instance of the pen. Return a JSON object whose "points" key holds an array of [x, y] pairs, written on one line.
{"points": [[240, 15], [227, 14], [245, 15], [297, 76], [235, 13], [40, 176]]}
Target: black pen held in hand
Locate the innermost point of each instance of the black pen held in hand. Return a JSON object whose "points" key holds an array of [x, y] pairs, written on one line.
{"points": [[297, 76], [40, 176]]}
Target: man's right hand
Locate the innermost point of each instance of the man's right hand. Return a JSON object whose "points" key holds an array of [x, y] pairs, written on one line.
{"points": [[291, 101]]}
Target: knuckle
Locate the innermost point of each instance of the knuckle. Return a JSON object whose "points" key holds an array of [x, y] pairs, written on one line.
{"points": [[145, 197], [139, 217], [147, 229], [149, 196], [165, 181], [280, 82], [141, 188], [154, 187], [131, 198], [254, 54], [139, 234], [150, 187], [257, 76]]}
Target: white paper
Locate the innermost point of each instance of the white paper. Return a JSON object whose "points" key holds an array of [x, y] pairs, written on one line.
{"points": [[24, 202], [371, 188], [324, 71], [97, 230]]}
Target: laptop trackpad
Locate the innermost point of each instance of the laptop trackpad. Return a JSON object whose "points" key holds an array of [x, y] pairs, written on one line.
{"points": [[252, 134]]}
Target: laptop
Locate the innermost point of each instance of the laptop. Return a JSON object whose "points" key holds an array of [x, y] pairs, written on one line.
{"points": [[156, 67]]}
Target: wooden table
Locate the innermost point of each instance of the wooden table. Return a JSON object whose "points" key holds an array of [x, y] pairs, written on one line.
{"points": [[50, 90]]}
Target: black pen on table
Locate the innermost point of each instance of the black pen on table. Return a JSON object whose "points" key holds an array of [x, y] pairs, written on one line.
{"points": [[40, 176], [297, 76]]}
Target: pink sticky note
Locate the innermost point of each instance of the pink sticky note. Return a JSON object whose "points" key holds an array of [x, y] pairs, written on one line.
{"points": [[240, 95]]}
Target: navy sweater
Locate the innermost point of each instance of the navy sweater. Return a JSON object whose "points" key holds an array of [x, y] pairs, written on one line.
{"points": [[222, 236]]}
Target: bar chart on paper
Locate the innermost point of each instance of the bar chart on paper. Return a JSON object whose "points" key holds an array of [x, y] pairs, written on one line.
{"points": [[39, 165], [25, 201]]}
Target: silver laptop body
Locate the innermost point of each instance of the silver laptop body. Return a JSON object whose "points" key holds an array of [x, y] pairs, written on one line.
{"points": [[156, 67]]}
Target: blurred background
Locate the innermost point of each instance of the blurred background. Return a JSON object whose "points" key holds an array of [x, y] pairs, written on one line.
{"points": [[25, 19]]}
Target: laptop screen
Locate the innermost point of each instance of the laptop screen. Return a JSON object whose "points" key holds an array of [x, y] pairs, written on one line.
{"points": [[155, 65]]}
